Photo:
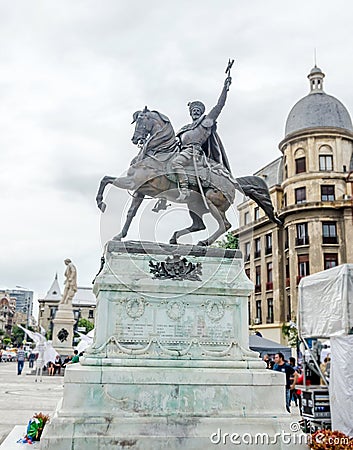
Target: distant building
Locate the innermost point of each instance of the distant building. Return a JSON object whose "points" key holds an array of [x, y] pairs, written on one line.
{"points": [[311, 187], [24, 304], [84, 305], [7, 311]]}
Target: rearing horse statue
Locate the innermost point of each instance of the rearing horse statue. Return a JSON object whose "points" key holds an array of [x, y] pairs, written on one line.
{"points": [[212, 186]]}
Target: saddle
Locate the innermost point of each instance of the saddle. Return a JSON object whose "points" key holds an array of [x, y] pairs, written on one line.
{"points": [[211, 174]]}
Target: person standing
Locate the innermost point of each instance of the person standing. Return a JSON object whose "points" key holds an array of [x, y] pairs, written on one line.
{"points": [[21, 355], [287, 369]]}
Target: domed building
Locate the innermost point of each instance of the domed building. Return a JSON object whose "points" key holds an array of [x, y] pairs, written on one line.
{"points": [[311, 187]]}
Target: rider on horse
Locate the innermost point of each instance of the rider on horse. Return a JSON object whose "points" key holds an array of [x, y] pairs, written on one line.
{"points": [[200, 138]]}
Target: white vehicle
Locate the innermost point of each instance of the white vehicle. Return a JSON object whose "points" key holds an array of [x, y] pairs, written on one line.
{"points": [[8, 356]]}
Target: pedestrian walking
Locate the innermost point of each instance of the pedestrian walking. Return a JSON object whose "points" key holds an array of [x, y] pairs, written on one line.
{"points": [[287, 369], [31, 359], [21, 355]]}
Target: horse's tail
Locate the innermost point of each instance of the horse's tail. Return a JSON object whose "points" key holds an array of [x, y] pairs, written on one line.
{"points": [[256, 188]]}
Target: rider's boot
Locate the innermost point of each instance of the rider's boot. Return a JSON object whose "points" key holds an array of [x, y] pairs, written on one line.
{"points": [[183, 189]]}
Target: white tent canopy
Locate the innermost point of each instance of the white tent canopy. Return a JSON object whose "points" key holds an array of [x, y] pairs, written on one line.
{"points": [[325, 305]]}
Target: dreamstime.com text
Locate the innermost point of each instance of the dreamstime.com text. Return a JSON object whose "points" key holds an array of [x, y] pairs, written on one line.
{"points": [[293, 437]]}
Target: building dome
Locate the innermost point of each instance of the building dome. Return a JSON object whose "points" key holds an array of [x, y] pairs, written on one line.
{"points": [[317, 109]]}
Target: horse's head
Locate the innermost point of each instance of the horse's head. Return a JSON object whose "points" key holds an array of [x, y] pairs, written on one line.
{"points": [[144, 123]]}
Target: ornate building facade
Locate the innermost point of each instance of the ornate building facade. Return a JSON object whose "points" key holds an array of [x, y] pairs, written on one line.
{"points": [[311, 186]]}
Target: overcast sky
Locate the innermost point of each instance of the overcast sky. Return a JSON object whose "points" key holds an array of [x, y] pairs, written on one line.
{"points": [[73, 72]]}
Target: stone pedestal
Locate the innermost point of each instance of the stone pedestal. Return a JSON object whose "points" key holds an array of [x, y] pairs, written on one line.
{"points": [[63, 330], [170, 365]]}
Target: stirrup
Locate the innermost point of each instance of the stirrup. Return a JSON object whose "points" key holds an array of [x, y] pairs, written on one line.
{"points": [[184, 193]]}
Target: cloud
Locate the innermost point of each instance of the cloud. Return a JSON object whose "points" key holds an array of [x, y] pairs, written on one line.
{"points": [[72, 74]]}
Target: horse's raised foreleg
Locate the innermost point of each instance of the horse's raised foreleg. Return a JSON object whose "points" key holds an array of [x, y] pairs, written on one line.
{"points": [[120, 182], [197, 225], [99, 198], [135, 204]]}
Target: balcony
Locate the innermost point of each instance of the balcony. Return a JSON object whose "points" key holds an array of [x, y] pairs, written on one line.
{"points": [[269, 319], [329, 240], [257, 254], [269, 286], [268, 251], [302, 241], [257, 288]]}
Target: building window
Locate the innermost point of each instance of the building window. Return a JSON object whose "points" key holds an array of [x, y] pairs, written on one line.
{"points": [[258, 311], [247, 273], [303, 267], [289, 309], [247, 251], [285, 171], [300, 165], [329, 233], [330, 260], [257, 213], [258, 279], [325, 163], [246, 218], [269, 284], [90, 314], [249, 312], [53, 312], [257, 252], [287, 273], [327, 193], [270, 315], [284, 201], [286, 238], [268, 240], [300, 195], [302, 234]]}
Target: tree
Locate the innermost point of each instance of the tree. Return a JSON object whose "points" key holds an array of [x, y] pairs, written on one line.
{"points": [[290, 331], [6, 341], [85, 323], [230, 241], [17, 335]]}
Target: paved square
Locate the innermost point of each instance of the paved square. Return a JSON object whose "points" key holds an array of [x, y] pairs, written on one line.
{"points": [[21, 396]]}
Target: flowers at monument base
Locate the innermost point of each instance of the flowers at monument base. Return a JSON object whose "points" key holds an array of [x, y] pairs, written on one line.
{"points": [[328, 439], [35, 428]]}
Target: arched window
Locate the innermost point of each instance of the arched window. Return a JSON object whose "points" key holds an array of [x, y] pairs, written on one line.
{"points": [[300, 160], [325, 158]]}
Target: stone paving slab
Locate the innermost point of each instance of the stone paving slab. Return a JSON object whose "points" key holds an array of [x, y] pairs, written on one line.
{"points": [[21, 396], [10, 443]]}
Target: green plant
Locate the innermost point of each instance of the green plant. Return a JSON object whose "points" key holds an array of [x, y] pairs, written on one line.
{"points": [[85, 323], [290, 331], [229, 241]]}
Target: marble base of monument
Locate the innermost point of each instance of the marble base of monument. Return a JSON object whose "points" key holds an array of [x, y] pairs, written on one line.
{"points": [[63, 330], [170, 366]]}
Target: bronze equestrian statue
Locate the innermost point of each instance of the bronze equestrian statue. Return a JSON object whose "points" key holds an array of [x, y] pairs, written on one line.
{"points": [[190, 167]]}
